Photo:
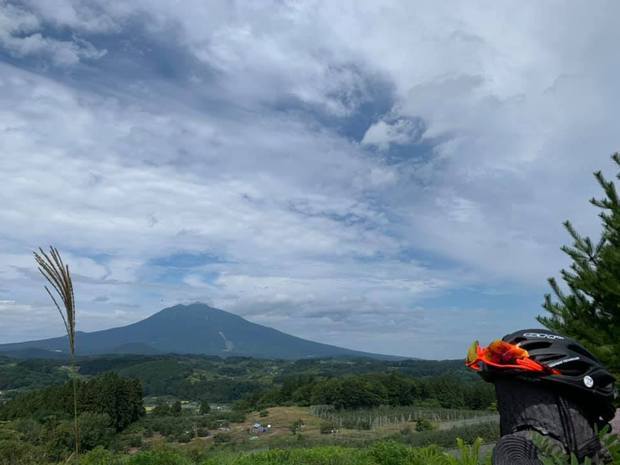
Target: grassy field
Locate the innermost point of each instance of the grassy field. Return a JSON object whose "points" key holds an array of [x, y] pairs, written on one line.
{"points": [[297, 427]]}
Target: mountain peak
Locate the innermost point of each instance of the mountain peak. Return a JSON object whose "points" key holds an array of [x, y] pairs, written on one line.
{"points": [[195, 306], [194, 310], [195, 328]]}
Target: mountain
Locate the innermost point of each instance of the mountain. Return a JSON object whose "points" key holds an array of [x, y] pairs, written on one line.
{"points": [[188, 329]]}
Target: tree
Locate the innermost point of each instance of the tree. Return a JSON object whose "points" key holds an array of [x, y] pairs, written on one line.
{"points": [[204, 407], [588, 308], [119, 398], [161, 409], [176, 408]]}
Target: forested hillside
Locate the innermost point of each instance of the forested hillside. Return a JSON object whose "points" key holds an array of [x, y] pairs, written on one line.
{"points": [[209, 377]]}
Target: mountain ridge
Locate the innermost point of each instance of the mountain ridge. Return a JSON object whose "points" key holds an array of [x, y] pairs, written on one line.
{"points": [[188, 329]]}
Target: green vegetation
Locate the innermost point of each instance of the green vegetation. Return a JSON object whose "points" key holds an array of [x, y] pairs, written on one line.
{"points": [[550, 456], [588, 308], [218, 380], [373, 390], [118, 398], [205, 425], [30, 374], [381, 453]]}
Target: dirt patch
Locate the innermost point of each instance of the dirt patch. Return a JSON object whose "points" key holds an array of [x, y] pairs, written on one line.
{"points": [[615, 423]]}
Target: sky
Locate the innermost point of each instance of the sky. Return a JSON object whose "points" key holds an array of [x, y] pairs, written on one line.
{"points": [[385, 176]]}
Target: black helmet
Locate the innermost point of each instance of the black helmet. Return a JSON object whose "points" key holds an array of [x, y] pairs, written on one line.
{"points": [[546, 384], [554, 359], [573, 365]]}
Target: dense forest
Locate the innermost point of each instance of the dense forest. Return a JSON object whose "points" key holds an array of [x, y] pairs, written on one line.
{"points": [[374, 389], [109, 394]]}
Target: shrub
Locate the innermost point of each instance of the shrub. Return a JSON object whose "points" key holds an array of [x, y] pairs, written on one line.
{"points": [[327, 428], [390, 453], [134, 440], [222, 438], [235, 416], [169, 426], [184, 437], [424, 425], [100, 456], [158, 457], [296, 426], [95, 430], [263, 413], [14, 452], [309, 456], [469, 455], [161, 409], [489, 432]]}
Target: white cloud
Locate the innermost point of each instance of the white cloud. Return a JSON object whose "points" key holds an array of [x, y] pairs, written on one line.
{"points": [[20, 36], [240, 158], [393, 131]]}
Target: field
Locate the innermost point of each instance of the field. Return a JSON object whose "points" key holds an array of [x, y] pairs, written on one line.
{"points": [[296, 436], [294, 427]]}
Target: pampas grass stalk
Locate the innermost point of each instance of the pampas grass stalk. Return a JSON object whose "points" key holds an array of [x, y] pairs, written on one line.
{"points": [[58, 276]]}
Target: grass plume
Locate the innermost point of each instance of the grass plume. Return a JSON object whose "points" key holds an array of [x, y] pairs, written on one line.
{"points": [[57, 274]]}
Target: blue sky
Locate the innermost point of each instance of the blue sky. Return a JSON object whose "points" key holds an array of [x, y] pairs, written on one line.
{"points": [[390, 177]]}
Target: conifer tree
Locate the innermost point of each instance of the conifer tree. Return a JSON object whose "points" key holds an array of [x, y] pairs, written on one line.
{"points": [[204, 407], [587, 307]]}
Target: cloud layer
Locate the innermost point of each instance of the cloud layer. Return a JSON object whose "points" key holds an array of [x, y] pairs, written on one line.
{"points": [[364, 174]]}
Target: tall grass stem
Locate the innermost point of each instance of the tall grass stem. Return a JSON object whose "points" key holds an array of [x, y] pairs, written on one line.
{"points": [[58, 276]]}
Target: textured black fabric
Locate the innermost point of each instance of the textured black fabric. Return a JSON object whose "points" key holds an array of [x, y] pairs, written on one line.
{"points": [[533, 406], [515, 449]]}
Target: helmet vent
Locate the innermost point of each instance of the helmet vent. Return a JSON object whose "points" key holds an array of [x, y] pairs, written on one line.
{"points": [[529, 346], [574, 368], [580, 350], [606, 381]]}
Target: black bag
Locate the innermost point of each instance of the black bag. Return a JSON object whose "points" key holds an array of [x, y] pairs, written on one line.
{"points": [[528, 408]]}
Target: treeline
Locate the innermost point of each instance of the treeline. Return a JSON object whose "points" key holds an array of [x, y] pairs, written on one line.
{"points": [[178, 377], [372, 390], [29, 374], [118, 398], [215, 379]]}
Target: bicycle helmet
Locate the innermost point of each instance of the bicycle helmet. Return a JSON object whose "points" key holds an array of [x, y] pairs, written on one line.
{"points": [[572, 364], [542, 355], [546, 384]]}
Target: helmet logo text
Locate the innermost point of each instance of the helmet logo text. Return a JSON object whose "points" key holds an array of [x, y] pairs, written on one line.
{"points": [[543, 336]]}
